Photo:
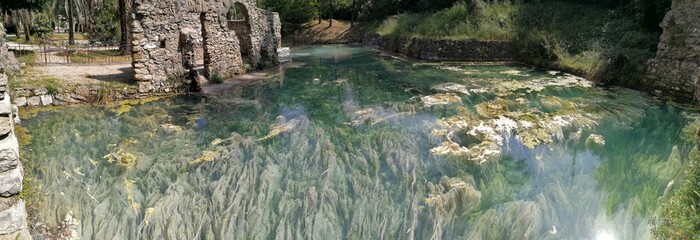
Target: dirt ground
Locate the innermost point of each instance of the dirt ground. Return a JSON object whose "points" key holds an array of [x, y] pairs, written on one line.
{"points": [[123, 73], [320, 33], [82, 74]]}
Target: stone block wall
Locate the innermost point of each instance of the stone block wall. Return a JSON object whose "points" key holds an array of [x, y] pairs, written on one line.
{"points": [[13, 215], [444, 50], [222, 52], [158, 54], [676, 68]]}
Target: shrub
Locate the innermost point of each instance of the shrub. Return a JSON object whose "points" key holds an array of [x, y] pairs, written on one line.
{"points": [[679, 217], [41, 26], [52, 85], [105, 26], [216, 78]]}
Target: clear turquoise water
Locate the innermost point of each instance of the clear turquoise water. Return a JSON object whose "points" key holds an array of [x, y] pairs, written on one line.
{"points": [[338, 146]]}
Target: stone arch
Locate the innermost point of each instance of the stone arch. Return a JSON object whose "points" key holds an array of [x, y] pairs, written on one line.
{"points": [[249, 38], [154, 60], [238, 21]]}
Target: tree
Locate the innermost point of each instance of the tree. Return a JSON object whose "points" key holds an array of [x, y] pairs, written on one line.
{"points": [[26, 20], [20, 13], [41, 26], [22, 4], [330, 7], [103, 25], [71, 8], [124, 19], [292, 11]]}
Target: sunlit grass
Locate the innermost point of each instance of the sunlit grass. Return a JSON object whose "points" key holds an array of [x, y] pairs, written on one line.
{"points": [[459, 22]]}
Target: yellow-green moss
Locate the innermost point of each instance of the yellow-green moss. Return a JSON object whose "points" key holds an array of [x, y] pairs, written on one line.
{"points": [[30, 112], [124, 106]]}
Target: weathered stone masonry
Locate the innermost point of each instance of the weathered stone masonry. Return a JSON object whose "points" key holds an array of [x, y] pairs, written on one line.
{"points": [[13, 215], [444, 49], [676, 68], [168, 35]]}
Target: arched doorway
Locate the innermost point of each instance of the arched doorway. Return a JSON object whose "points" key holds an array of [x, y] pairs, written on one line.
{"points": [[239, 21]]}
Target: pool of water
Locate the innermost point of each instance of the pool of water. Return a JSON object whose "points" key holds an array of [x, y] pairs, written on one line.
{"points": [[348, 143]]}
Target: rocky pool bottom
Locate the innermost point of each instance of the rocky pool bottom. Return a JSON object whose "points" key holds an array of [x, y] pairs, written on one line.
{"points": [[347, 143]]}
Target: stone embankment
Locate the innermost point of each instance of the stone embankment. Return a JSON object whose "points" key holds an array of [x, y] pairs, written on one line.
{"points": [[13, 214], [80, 94], [676, 68], [444, 49]]}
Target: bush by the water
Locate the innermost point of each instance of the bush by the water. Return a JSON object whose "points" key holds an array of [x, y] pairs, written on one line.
{"points": [[679, 215]]}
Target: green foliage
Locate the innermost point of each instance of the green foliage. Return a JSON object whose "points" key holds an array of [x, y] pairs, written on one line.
{"points": [[461, 21], [216, 78], [52, 86], [103, 95], [41, 26], [104, 26], [292, 11], [25, 56], [22, 4], [679, 217]]}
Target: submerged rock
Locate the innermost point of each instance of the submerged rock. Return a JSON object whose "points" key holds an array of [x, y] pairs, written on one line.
{"points": [[451, 87], [595, 141], [554, 103], [515, 73], [532, 137], [503, 87], [475, 139], [441, 99], [492, 109]]}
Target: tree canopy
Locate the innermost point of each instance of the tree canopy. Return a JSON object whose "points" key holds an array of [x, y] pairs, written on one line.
{"points": [[22, 4]]}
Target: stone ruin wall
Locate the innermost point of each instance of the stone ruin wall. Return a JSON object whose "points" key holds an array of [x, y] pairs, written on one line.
{"points": [[167, 36], [676, 68], [13, 214], [243, 34]]}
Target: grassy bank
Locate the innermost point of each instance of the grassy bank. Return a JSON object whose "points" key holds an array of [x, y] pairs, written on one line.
{"points": [[679, 217], [589, 40]]}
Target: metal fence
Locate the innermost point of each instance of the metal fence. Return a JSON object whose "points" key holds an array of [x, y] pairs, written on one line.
{"points": [[46, 54]]}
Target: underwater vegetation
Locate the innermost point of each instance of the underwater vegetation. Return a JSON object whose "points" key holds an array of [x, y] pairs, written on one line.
{"points": [[348, 143]]}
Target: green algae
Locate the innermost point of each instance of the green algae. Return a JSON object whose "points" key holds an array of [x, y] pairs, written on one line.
{"points": [[349, 156]]}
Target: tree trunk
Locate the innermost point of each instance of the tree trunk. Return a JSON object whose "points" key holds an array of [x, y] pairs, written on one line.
{"points": [[124, 24], [25, 25], [26, 31], [320, 10], [71, 31], [330, 13], [354, 13]]}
